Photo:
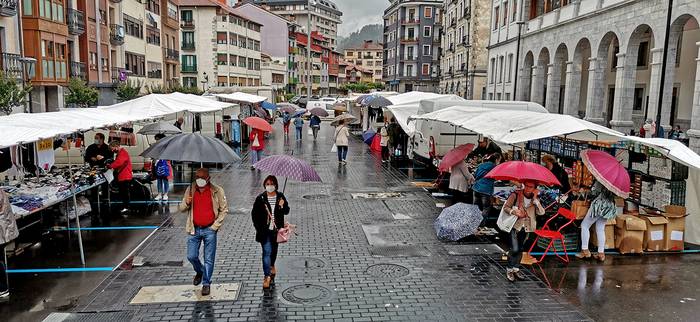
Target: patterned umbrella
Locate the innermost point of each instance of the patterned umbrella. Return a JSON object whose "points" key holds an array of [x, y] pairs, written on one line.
{"points": [[288, 167], [320, 112], [458, 221]]}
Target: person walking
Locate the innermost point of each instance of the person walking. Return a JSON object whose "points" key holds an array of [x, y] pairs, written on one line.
{"points": [[315, 124], [601, 210], [162, 171], [384, 142], [180, 121], [268, 213], [286, 121], [298, 126], [257, 145], [8, 233], [341, 141], [460, 181], [97, 153], [206, 206], [525, 204], [122, 165], [483, 187]]}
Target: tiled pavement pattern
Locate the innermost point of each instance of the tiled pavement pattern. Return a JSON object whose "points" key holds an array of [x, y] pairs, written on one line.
{"points": [[330, 266]]}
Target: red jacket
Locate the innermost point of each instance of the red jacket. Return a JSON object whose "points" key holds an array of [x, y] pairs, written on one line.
{"points": [[261, 140], [122, 164]]}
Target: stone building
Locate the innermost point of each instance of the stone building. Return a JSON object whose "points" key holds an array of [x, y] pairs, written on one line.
{"points": [[464, 55], [412, 31], [600, 60]]}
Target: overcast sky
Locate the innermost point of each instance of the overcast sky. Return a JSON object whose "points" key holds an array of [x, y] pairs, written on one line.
{"points": [[357, 13]]}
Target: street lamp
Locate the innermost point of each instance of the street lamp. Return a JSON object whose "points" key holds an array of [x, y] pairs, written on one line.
{"points": [[28, 65], [466, 73], [517, 59]]}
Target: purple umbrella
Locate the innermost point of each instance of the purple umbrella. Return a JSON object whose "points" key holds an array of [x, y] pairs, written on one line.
{"points": [[288, 167], [320, 112]]}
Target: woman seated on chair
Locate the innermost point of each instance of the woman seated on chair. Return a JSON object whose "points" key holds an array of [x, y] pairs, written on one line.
{"points": [[524, 204]]}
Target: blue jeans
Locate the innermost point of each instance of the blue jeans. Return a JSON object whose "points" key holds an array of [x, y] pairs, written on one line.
{"points": [[256, 155], [298, 132], [269, 250], [163, 185], [208, 236], [342, 153]]}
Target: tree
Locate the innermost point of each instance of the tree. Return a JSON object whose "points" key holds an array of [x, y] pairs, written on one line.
{"points": [[158, 89], [187, 90], [12, 94], [128, 90], [80, 94]]}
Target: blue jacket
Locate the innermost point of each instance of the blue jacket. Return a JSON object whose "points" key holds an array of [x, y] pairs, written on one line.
{"points": [[298, 122], [315, 120], [484, 185]]}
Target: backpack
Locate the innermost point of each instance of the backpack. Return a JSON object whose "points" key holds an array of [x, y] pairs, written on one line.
{"points": [[162, 169]]}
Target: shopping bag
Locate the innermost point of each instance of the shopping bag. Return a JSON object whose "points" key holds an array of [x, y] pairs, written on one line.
{"points": [[310, 131], [256, 143], [284, 234], [506, 221], [334, 148], [580, 208]]}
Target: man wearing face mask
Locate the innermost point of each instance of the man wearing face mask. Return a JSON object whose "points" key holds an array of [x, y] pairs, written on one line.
{"points": [[207, 207], [98, 152]]}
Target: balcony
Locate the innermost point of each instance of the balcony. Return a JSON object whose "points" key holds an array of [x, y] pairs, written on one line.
{"points": [[411, 58], [155, 74], [171, 54], [8, 8], [188, 46], [410, 21], [76, 21], [77, 70], [12, 65], [189, 68], [116, 34], [187, 24], [409, 40]]}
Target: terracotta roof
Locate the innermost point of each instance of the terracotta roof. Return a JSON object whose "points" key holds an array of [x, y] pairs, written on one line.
{"points": [[213, 3], [371, 45]]}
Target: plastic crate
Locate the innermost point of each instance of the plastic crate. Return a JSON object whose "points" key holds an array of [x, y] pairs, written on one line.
{"points": [[678, 193], [533, 145], [571, 239], [546, 145], [557, 147]]}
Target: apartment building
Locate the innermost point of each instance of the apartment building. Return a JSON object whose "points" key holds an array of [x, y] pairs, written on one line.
{"points": [[273, 74], [600, 60], [220, 47], [412, 37], [325, 16], [369, 56], [12, 60], [464, 57]]}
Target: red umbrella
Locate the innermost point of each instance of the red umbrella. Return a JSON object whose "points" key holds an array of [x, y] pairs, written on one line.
{"points": [[523, 171], [608, 171], [455, 156], [258, 123]]}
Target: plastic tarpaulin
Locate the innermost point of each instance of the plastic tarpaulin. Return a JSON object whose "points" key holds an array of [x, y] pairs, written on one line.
{"points": [[402, 113], [242, 97], [672, 149], [412, 97], [159, 105], [198, 104], [512, 127]]}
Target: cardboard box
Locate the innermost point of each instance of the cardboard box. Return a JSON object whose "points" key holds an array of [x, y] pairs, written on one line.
{"points": [[620, 205], [629, 234], [675, 229], [655, 235], [609, 236]]}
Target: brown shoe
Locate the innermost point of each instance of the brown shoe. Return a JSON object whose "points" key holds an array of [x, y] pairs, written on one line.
{"points": [[584, 254], [266, 283], [206, 290], [528, 259], [599, 256]]}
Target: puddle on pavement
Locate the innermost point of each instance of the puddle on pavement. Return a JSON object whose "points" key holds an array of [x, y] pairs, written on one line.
{"points": [[377, 195]]}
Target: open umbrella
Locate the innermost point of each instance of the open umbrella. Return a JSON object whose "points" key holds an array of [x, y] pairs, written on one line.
{"points": [[608, 171], [367, 99], [458, 221], [159, 128], [368, 136], [299, 112], [379, 102], [340, 106], [347, 118], [523, 171], [320, 112], [258, 123], [288, 107], [359, 99], [454, 156], [268, 106], [288, 167], [191, 147]]}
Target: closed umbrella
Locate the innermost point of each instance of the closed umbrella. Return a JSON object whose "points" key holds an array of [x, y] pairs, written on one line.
{"points": [[523, 171], [608, 171], [191, 147], [347, 118], [258, 123], [454, 156], [320, 112], [458, 221], [288, 167], [159, 128]]}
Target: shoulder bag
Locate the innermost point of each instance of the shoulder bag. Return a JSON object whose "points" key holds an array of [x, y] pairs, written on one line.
{"points": [[284, 233], [335, 147], [505, 220]]}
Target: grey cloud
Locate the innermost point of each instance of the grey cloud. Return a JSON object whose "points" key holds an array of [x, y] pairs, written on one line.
{"points": [[357, 13]]}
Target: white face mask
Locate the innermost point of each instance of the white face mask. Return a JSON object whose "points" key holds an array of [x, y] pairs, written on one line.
{"points": [[270, 189], [201, 182]]}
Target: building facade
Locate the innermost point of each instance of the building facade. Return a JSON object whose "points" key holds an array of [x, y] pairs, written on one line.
{"points": [[323, 68], [369, 56], [273, 74], [325, 16], [412, 36], [220, 48], [601, 60], [12, 56], [464, 56]]}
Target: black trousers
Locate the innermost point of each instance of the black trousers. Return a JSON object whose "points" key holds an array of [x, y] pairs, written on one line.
{"points": [[517, 246], [124, 193], [385, 153]]}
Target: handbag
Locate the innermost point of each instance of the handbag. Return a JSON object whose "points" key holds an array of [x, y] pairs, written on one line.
{"points": [[505, 220], [580, 207], [256, 143], [284, 233], [334, 148]]}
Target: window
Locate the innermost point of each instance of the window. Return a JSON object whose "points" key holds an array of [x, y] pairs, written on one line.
{"points": [[643, 54], [427, 31], [409, 53], [426, 50], [505, 12], [428, 12], [153, 36], [495, 18], [616, 50], [222, 81], [510, 67], [93, 60], [27, 9], [153, 6], [133, 26], [155, 70], [189, 64], [350, 54], [187, 40], [221, 38], [221, 59], [105, 64], [500, 72], [242, 62], [135, 63], [409, 70], [493, 70], [233, 60], [411, 33], [242, 42], [186, 16], [514, 10], [172, 10], [638, 99], [189, 81], [425, 71]]}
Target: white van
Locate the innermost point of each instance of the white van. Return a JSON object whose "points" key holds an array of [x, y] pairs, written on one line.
{"points": [[433, 140]]}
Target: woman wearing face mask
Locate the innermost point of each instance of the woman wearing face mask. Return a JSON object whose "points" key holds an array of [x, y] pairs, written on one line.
{"points": [[268, 213]]}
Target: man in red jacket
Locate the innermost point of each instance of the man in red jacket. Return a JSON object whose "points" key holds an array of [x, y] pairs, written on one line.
{"points": [[122, 166]]}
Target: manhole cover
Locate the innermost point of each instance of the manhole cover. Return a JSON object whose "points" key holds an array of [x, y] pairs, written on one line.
{"points": [[306, 294], [399, 251], [387, 270], [304, 263], [315, 197]]}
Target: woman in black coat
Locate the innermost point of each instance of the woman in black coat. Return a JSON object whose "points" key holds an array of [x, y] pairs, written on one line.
{"points": [[268, 205]]}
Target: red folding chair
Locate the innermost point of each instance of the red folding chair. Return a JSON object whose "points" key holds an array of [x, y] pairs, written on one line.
{"points": [[554, 235]]}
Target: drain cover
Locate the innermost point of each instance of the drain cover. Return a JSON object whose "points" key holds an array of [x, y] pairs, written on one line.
{"points": [[387, 270], [399, 251], [306, 294], [303, 263], [316, 197]]}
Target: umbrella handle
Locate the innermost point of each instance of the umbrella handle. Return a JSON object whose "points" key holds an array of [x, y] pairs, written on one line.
{"points": [[285, 182]]}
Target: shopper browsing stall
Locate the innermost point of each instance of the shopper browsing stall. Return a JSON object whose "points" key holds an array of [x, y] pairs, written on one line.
{"points": [[483, 186], [551, 163], [122, 166]]}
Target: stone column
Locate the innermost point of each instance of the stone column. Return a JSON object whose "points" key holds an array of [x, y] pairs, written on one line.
{"points": [[654, 80], [553, 87], [524, 77], [694, 131], [594, 101], [537, 87], [624, 84], [668, 88], [572, 95]]}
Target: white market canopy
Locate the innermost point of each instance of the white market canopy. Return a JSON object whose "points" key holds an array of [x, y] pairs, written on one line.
{"points": [[412, 97], [672, 149], [159, 105], [242, 97], [402, 113]]}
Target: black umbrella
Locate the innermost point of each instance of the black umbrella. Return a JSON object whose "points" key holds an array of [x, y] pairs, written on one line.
{"points": [[191, 147], [379, 102], [159, 128]]}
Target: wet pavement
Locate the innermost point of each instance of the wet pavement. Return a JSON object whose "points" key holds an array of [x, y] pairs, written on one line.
{"points": [[366, 251]]}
